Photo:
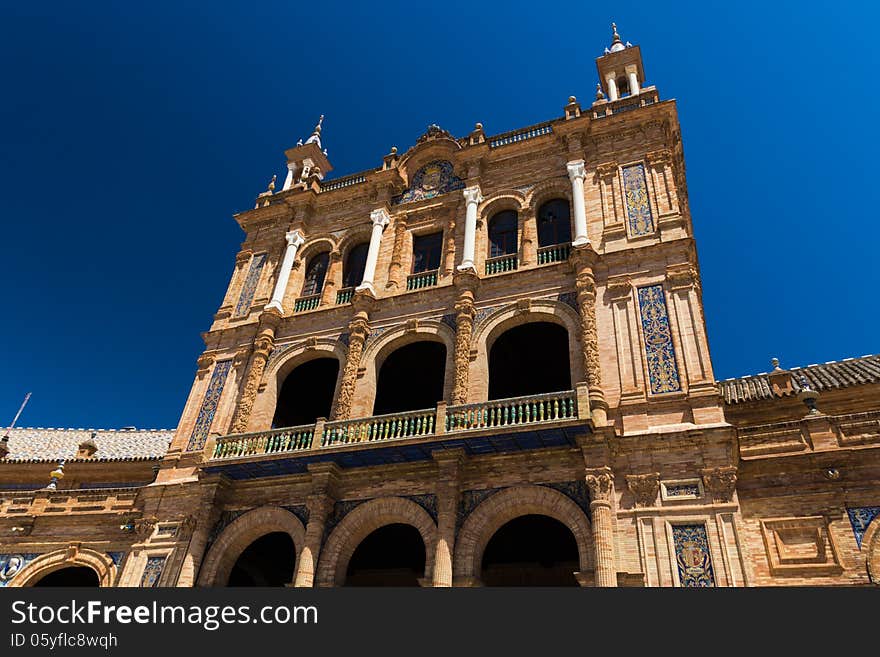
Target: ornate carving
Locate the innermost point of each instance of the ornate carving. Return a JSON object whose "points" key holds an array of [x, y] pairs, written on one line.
{"points": [[464, 326], [263, 345], [720, 482], [607, 170], [600, 481], [644, 488], [659, 159], [204, 362], [620, 288], [586, 294], [358, 330], [397, 252], [143, 527], [682, 276]]}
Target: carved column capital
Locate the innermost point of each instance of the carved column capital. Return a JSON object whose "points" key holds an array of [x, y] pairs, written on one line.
{"points": [[204, 362], [241, 356], [600, 481], [607, 169], [243, 257], [380, 217], [720, 482], [576, 169], [683, 276], [472, 195], [659, 158], [644, 488], [620, 288], [294, 238]]}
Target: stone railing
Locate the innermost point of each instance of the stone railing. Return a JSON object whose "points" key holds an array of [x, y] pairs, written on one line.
{"points": [[344, 295], [307, 303], [501, 264], [647, 96], [422, 279], [288, 439], [379, 427], [339, 183], [554, 253], [63, 501], [520, 135], [517, 411], [489, 415]]}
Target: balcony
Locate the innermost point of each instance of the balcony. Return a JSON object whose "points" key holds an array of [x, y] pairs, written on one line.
{"points": [[647, 96], [496, 426], [556, 253], [306, 303], [344, 295], [501, 264], [422, 280]]}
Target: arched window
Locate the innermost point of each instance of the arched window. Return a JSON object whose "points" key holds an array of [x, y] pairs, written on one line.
{"points": [[355, 263], [315, 273], [502, 234], [622, 86], [554, 222]]}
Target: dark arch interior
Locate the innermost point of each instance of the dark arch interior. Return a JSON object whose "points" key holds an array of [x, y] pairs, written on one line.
{"points": [[315, 274], [554, 222], [355, 263], [502, 233], [411, 378], [528, 360], [71, 576], [307, 393], [268, 561], [623, 86], [393, 555], [531, 550]]}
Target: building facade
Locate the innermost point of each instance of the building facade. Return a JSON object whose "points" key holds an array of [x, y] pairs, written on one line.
{"points": [[482, 363]]}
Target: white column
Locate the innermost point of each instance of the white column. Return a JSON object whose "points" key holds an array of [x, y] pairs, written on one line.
{"points": [[473, 198], [576, 173], [291, 172], [633, 75], [612, 87], [380, 219], [294, 241]]}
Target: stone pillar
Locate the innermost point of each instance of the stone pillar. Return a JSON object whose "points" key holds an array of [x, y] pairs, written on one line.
{"points": [[576, 174], [582, 260], [294, 241], [600, 481], [207, 515], [334, 275], [358, 330], [396, 267], [448, 466], [612, 87], [380, 219], [291, 175], [633, 75], [319, 505], [466, 282], [665, 197], [473, 198], [263, 345]]}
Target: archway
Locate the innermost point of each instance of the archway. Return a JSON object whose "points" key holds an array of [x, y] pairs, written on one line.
{"points": [[268, 561], [307, 393], [411, 378], [70, 576], [529, 359], [554, 222], [531, 550], [393, 555]]}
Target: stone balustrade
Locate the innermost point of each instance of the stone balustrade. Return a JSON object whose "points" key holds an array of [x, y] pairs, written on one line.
{"points": [[517, 411], [288, 439], [421, 280], [523, 134], [73, 500], [379, 427], [307, 303], [554, 253], [501, 264]]}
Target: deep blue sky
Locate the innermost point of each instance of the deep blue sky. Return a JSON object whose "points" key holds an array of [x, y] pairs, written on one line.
{"points": [[132, 132]]}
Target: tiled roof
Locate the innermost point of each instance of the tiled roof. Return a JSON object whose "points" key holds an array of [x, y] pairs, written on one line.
{"points": [[38, 444], [828, 376]]}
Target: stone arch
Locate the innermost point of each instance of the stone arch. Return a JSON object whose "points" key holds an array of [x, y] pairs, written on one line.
{"points": [[101, 563], [380, 347], [312, 247], [509, 199], [510, 503], [487, 330], [243, 531], [357, 235], [871, 546], [282, 362], [547, 190], [360, 523]]}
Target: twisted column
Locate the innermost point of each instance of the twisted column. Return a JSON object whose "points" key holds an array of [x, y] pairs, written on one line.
{"points": [[263, 345], [467, 282], [582, 261], [358, 330], [600, 481], [394, 270]]}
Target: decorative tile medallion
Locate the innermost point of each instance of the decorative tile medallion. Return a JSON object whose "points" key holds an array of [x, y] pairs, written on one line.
{"points": [[12, 564], [860, 518], [692, 556], [209, 406], [433, 179], [638, 208], [152, 572], [243, 307], [662, 370]]}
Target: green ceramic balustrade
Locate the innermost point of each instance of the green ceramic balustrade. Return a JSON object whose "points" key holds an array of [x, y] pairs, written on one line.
{"points": [[555, 253], [344, 295], [306, 303], [501, 264], [424, 279], [379, 427], [289, 439], [532, 409]]}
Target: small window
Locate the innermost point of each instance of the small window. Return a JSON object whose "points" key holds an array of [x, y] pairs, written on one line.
{"points": [[315, 274], [355, 263], [426, 252], [554, 223], [502, 234]]}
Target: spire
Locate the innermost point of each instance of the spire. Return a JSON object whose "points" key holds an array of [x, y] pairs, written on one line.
{"points": [[316, 135], [616, 43]]}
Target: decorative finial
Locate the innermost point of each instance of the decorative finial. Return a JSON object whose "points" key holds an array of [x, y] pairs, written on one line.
{"points": [[808, 396], [393, 150], [616, 36], [599, 94], [316, 133], [775, 363], [478, 126], [299, 142], [271, 187], [572, 99], [57, 474]]}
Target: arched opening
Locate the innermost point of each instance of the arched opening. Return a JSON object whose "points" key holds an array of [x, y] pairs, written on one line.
{"points": [[622, 86], [393, 555], [554, 222], [268, 561], [307, 393], [411, 378], [532, 550], [529, 359], [316, 271], [70, 576], [502, 233], [355, 264]]}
